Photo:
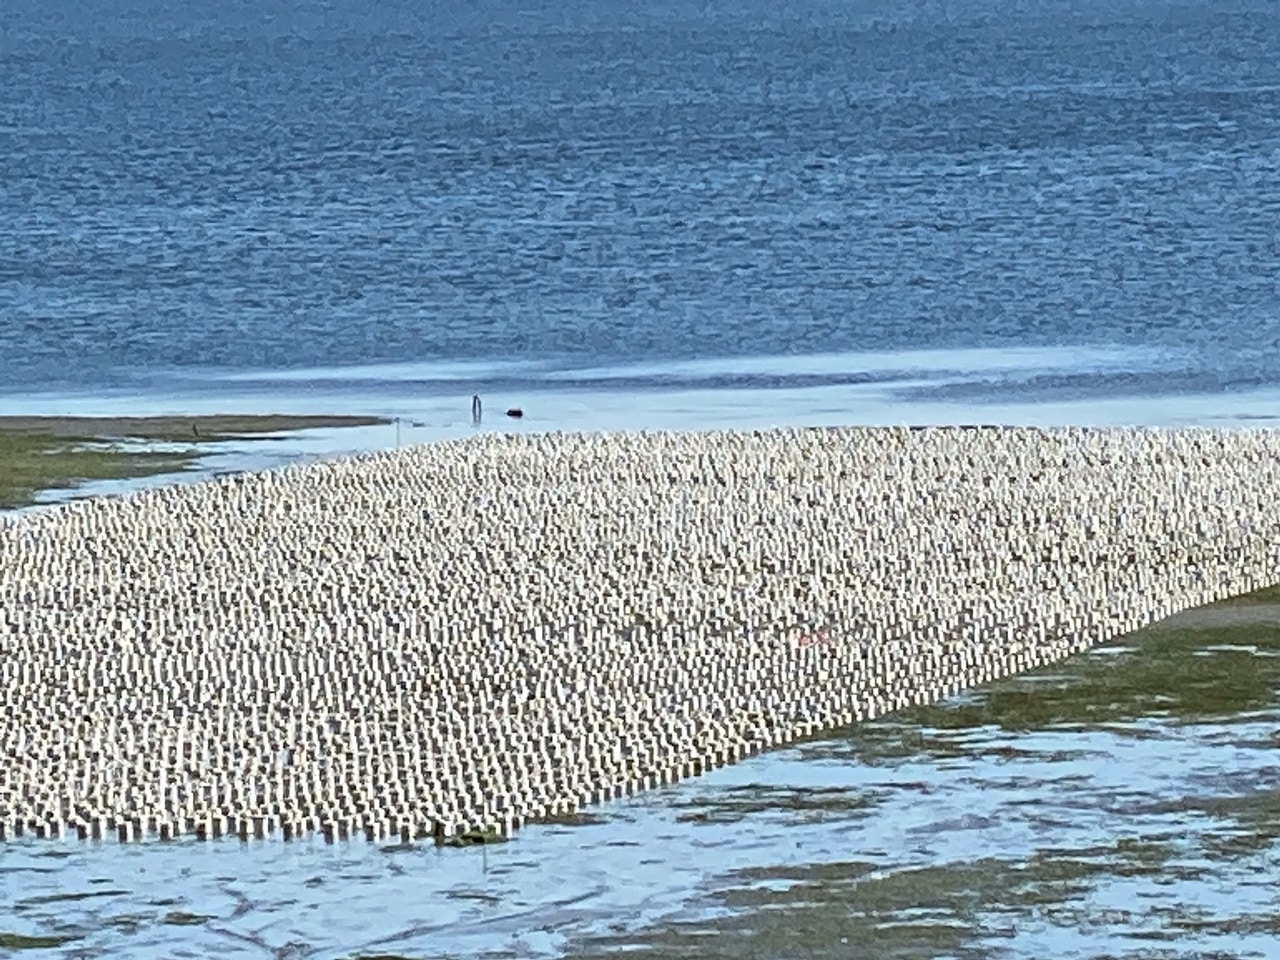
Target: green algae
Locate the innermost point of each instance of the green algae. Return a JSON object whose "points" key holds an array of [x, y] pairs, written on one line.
{"points": [[54, 898], [475, 837], [128, 922], [33, 463], [735, 804], [181, 918], [1221, 661]]}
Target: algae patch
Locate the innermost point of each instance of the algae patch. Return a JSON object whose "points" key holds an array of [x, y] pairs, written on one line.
{"points": [[38, 454], [180, 918]]}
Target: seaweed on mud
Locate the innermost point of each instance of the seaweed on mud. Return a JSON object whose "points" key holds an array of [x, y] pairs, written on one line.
{"points": [[1250, 821], [813, 803], [127, 922], [181, 918], [578, 818], [474, 838], [479, 896], [1221, 660], [20, 941], [50, 898], [859, 908]]}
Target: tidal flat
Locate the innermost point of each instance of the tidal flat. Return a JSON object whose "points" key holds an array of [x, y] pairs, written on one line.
{"points": [[1123, 803], [39, 454]]}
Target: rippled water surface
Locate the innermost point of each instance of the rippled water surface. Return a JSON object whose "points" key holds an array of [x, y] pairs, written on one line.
{"points": [[688, 214], [1123, 804], [197, 190]]}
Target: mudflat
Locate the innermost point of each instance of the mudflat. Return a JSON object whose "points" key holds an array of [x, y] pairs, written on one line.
{"points": [[174, 428], [50, 453]]}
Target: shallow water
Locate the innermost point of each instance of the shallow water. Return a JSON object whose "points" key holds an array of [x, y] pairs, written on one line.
{"points": [[1125, 804], [615, 403]]}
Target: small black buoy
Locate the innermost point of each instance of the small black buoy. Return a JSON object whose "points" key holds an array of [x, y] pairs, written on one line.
{"points": [[515, 412]]}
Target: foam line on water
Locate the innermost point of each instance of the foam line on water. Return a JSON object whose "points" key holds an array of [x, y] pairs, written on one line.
{"points": [[885, 365], [876, 366], [446, 371]]}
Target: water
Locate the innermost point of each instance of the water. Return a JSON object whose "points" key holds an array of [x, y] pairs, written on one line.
{"points": [[1124, 803], [687, 215], [197, 197]]}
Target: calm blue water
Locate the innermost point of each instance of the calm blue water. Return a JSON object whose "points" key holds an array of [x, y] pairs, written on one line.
{"points": [[191, 192]]}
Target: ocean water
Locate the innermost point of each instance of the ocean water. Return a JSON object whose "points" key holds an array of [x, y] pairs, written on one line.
{"points": [[253, 200], [687, 214]]}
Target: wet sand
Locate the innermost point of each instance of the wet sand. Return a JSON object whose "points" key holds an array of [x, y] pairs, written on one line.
{"points": [[176, 428], [1125, 802], [48, 457]]}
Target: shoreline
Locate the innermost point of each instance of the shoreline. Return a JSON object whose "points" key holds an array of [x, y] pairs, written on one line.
{"points": [[49, 459], [201, 426], [393, 413], [482, 633]]}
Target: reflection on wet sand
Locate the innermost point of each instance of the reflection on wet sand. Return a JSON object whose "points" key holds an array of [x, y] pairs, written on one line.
{"points": [[1125, 802]]}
